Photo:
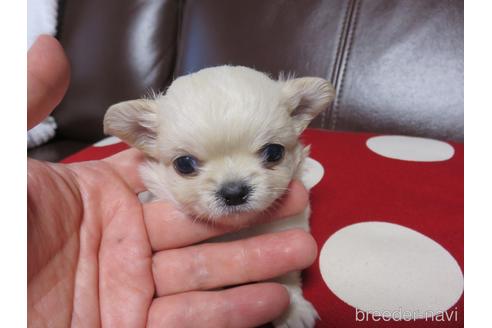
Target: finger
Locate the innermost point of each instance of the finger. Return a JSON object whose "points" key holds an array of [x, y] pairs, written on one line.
{"points": [[209, 266], [168, 227], [126, 164], [48, 75], [245, 306]]}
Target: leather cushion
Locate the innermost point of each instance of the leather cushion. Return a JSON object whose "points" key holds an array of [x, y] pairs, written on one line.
{"points": [[402, 71], [397, 65], [118, 50]]}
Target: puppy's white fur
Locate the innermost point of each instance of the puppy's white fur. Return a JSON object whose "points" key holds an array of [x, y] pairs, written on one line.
{"points": [[224, 116]]}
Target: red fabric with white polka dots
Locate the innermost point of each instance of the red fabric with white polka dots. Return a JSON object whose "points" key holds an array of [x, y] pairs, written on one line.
{"points": [[360, 185]]}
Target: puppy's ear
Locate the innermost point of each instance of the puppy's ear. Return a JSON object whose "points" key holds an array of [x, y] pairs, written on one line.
{"points": [[305, 98], [135, 122]]}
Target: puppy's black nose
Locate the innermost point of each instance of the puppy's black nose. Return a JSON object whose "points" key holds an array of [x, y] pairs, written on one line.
{"points": [[234, 193]]}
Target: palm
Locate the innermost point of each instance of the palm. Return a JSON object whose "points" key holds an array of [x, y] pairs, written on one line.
{"points": [[123, 258], [111, 279]]}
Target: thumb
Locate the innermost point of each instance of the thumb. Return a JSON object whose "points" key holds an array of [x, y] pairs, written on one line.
{"points": [[48, 75]]}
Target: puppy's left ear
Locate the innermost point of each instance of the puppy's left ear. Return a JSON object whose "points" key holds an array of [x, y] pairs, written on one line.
{"points": [[305, 98]]}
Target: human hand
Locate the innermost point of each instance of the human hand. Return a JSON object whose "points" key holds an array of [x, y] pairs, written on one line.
{"points": [[98, 257]]}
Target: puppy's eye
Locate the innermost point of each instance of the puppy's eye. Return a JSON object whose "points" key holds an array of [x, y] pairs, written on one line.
{"points": [[272, 153], [185, 165]]}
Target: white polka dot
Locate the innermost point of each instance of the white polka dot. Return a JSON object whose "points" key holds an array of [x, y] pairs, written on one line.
{"points": [[411, 148], [107, 141], [312, 172], [379, 266]]}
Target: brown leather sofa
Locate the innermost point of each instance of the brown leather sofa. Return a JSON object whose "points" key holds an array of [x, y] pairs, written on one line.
{"points": [[397, 65]]}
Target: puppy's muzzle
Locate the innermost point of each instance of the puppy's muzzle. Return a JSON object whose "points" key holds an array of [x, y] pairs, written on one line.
{"points": [[234, 193]]}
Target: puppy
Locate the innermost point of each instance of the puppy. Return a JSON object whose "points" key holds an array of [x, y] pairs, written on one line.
{"points": [[222, 145]]}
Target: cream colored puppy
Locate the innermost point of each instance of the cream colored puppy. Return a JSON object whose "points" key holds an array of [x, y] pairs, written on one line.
{"points": [[223, 145]]}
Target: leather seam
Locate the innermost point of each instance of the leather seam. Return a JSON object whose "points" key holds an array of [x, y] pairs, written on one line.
{"points": [[179, 28], [344, 61], [334, 72]]}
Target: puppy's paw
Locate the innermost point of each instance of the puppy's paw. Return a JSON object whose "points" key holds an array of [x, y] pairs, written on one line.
{"points": [[301, 314]]}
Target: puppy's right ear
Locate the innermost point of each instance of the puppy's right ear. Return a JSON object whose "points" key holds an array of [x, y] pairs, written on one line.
{"points": [[135, 122]]}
